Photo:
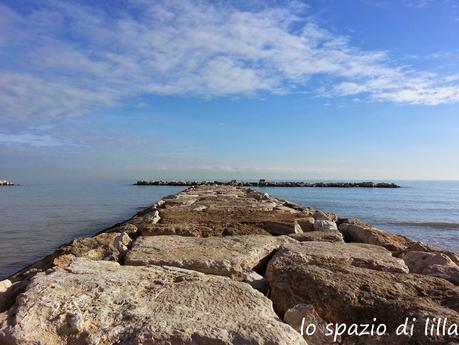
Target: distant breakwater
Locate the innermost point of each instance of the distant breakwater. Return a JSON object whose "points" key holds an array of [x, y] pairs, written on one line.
{"points": [[264, 183]]}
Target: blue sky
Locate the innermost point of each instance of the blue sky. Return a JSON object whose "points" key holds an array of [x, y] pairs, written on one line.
{"points": [[133, 89]]}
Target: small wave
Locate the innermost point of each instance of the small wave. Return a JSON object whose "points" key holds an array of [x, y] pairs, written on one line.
{"points": [[433, 225]]}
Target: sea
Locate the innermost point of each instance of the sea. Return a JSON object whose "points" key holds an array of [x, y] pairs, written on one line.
{"points": [[37, 218]]}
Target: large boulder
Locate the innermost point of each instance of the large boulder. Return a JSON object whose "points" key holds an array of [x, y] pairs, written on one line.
{"points": [[363, 233], [316, 253], [436, 263], [101, 302], [229, 256], [349, 290]]}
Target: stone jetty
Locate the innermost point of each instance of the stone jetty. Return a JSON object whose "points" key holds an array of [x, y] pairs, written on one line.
{"points": [[6, 183], [220, 265], [265, 183]]}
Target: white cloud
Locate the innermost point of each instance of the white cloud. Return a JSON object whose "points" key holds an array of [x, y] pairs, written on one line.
{"points": [[65, 59], [34, 140]]}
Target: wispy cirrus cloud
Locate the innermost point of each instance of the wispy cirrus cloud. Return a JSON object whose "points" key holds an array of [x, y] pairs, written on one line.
{"points": [[32, 140], [67, 59]]}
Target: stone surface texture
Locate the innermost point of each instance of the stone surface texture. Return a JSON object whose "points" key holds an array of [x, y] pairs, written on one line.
{"points": [[101, 302], [305, 315], [230, 256]]}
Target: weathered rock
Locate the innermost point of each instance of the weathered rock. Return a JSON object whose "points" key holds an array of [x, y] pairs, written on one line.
{"points": [[325, 225], [229, 256], [343, 292], [146, 220], [316, 253], [101, 302], [303, 315], [417, 261], [306, 224], [200, 208], [319, 215], [282, 228], [286, 209], [423, 247], [128, 228], [105, 246], [4, 285], [121, 243], [257, 281], [228, 214], [371, 235], [320, 236], [447, 272], [192, 230]]}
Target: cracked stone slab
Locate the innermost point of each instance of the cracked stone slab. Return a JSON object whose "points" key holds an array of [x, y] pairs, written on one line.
{"points": [[317, 253], [228, 256], [101, 302]]}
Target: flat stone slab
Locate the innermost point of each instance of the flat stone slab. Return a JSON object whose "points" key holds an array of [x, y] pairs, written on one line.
{"points": [[101, 302], [228, 256], [359, 255]]}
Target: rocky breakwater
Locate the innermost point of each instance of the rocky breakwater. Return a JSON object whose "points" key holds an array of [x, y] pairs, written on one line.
{"points": [[225, 265], [265, 183]]}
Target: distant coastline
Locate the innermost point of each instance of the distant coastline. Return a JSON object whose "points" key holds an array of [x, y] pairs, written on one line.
{"points": [[265, 183]]}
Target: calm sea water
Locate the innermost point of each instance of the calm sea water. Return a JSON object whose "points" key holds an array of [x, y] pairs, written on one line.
{"points": [[35, 219]]}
